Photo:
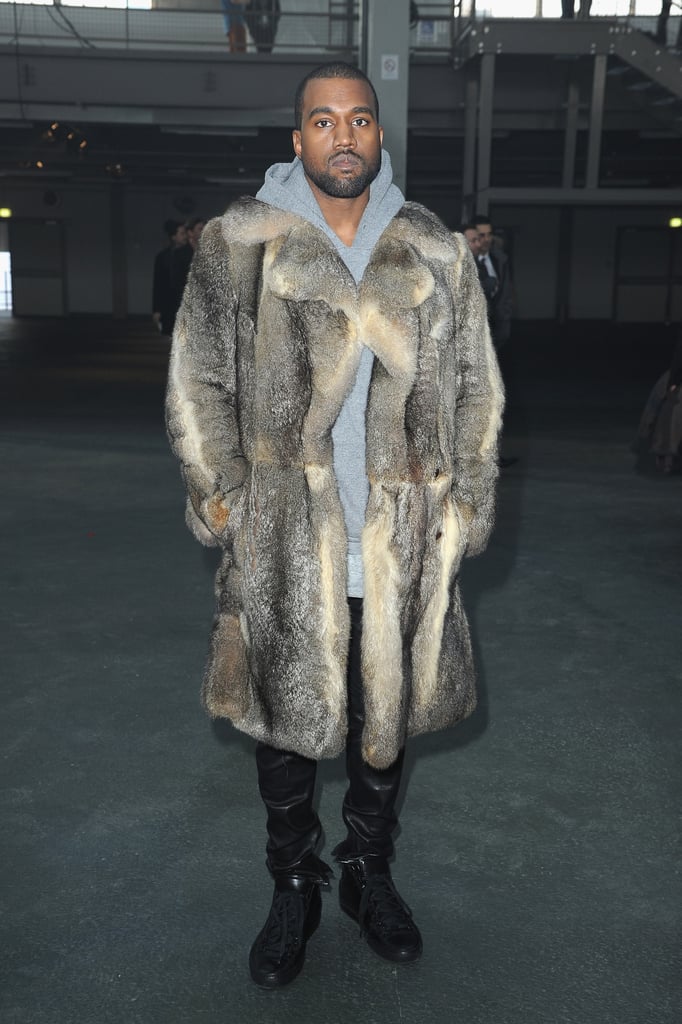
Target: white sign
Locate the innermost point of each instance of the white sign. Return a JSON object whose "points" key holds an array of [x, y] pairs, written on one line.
{"points": [[389, 66]]}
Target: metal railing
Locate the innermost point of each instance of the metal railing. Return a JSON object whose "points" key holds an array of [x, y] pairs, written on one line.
{"points": [[321, 26], [304, 25]]}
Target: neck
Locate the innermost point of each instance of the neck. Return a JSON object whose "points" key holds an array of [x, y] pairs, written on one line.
{"points": [[342, 215]]}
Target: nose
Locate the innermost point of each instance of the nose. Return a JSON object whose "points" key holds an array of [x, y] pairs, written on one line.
{"points": [[345, 135]]}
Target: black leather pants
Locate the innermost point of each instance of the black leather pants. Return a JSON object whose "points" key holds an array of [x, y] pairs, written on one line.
{"points": [[287, 784]]}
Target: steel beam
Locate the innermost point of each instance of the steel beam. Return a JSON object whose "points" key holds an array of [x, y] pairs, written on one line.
{"points": [[587, 196]]}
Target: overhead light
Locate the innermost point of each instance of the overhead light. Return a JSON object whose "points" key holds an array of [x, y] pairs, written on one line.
{"points": [[675, 222], [5, 212]]}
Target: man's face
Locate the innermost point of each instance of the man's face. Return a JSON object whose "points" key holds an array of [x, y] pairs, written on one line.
{"points": [[194, 233], [485, 237], [339, 142], [471, 235], [180, 236]]}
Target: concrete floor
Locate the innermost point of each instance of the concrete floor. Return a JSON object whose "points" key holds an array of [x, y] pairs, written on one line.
{"points": [[538, 839]]}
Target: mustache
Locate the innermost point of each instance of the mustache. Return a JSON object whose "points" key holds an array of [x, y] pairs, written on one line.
{"points": [[346, 154]]}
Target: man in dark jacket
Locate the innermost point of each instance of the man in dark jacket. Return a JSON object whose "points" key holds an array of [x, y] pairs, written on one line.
{"points": [[262, 18], [494, 265], [164, 302]]}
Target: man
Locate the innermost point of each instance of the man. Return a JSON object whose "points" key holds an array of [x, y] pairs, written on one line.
{"points": [[495, 264], [470, 232], [262, 17], [181, 259], [334, 400], [163, 302], [235, 24], [488, 283]]}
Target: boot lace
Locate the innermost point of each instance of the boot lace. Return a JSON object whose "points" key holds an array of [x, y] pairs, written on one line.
{"points": [[381, 904], [284, 928]]}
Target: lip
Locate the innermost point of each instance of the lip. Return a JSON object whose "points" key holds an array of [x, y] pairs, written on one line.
{"points": [[345, 161]]}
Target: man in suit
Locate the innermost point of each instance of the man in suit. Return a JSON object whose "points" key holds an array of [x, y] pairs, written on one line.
{"points": [[488, 283], [499, 293], [495, 279]]}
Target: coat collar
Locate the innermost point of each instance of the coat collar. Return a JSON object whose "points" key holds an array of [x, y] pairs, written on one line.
{"points": [[301, 265]]}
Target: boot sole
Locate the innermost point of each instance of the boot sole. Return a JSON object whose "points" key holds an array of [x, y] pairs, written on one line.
{"points": [[406, 957]]}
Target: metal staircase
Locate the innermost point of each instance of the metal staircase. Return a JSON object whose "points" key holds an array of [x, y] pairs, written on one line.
{"points": [[562, 38], [616, 71]]}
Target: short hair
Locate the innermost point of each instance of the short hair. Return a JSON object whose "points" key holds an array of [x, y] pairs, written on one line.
{"points": [[334, 69], [191, 224], [171, 227], [469, 226], [482, 218]]}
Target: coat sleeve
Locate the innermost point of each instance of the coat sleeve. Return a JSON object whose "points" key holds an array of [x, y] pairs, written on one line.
{"points": [[479, 403], [202, 415]]}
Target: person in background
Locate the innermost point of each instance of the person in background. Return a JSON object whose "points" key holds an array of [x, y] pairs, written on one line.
{"points": [[194, 228], [660, 429], [488, 283], [568, 8], [494, 263], [334, 402], [262, 18], [470, 232], [164, 306], [495, 278], [235, 24], [181, 259], [661, 34]]}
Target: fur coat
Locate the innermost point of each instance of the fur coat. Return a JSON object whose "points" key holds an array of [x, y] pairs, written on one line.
{"points": [[265, 350]]}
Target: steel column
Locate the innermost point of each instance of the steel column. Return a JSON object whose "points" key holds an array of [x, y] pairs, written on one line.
{"points": [[485, 130], [596, 122], [571, 133], [469, 168]]}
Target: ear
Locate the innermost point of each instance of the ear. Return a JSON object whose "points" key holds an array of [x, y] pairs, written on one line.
{"points": [[296, 139], [381, 136]]}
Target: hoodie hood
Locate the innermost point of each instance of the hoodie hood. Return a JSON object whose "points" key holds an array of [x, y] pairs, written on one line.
{"points": [[286, 187]]}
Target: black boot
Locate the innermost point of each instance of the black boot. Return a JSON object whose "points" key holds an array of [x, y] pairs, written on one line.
{"points": [[368, 895], [278, 954]]}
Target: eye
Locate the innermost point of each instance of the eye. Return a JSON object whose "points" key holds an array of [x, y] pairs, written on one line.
{"points": [[360, 122], [323, 123]]}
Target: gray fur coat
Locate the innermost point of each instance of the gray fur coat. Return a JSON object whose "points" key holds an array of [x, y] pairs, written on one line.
{"points": [[265, 350]]}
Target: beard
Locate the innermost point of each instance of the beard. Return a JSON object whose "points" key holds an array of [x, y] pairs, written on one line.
{"points": [[345, 188]]}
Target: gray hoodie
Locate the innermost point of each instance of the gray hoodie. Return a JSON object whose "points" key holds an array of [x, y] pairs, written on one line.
{"points": [[286, 187]]}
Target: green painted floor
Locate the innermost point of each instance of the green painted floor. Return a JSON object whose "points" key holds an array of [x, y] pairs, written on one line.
{"points": [[538, 842]]}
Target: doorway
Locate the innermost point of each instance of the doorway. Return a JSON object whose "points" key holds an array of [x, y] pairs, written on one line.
{"points": [[37, 259], [5, 270], [648, 277]]}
